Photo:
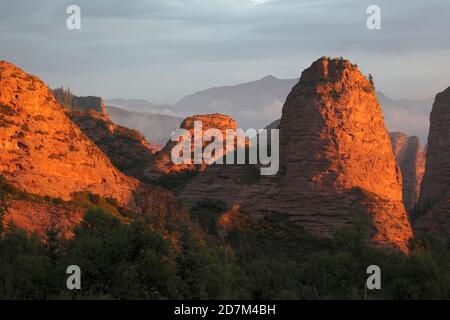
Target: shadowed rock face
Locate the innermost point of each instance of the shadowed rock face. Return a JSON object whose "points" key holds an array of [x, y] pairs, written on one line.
{"points": [[337, 164], [410, 158], [436, 181], [89, 103], [435, 191], [126, 148], [43, 152]]}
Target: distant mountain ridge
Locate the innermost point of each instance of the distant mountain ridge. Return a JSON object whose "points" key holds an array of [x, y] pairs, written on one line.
{"points": [[253, 104], [140, 105], [407, 115]]}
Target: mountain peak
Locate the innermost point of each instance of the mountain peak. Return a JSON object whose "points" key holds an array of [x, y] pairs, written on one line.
{"points": [[335, 70], [344, 171], [270, 77]]}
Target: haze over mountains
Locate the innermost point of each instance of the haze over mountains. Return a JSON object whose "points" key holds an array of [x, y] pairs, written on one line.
{"points": [[253, 104], [140, 105], [155, 127], [407, 115]]}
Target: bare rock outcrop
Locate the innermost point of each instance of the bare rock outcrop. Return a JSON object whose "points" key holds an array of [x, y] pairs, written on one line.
{"points": [[43, 152], [410, 158], [39, 218], [337, 164], [435, 190], [162, 163]]}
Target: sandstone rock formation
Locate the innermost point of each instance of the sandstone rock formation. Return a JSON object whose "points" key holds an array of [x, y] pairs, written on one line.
{"points": [[337, 164], [435, 191], [162, 163], [39, 218], [42, 152], [154, 126], [411, 160]]}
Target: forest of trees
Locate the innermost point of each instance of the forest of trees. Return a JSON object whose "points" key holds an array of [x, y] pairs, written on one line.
{"points": [[64, 96], [138, 261]]}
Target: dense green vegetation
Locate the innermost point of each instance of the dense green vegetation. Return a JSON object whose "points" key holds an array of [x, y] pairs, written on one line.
{"points": [[173, 181], [281, 261], [269, 259], [117, 261]]}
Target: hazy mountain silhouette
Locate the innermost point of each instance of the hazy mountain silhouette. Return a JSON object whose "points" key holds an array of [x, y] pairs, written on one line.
{"points": [[407, 115], [252, 104], [155, 127], [140, 105]]}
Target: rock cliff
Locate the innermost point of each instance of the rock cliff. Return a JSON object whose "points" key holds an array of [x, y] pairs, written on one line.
{"points": [[126, 148], [43, 152], [435, 190], [337, 164], [410, 158], [162, 163]]}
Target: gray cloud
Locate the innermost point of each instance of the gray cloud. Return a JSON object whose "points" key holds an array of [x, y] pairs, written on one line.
{"points": [[161, 50]]}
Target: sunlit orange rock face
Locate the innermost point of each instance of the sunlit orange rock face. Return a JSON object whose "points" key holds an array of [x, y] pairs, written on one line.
{"points": [[39, 218], [162, 162], [337, 164], [333, 114], [435, 191], [43, 152], [410, 158]]}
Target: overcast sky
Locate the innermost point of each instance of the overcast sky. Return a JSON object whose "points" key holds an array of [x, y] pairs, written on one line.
{"points": [[161, 50]]}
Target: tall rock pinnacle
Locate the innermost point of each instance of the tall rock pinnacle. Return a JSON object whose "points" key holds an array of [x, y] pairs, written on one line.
{"points": [[411, 160], [337, 164], [333, 114], [435, 191], [333, 143], [436, 181]]}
